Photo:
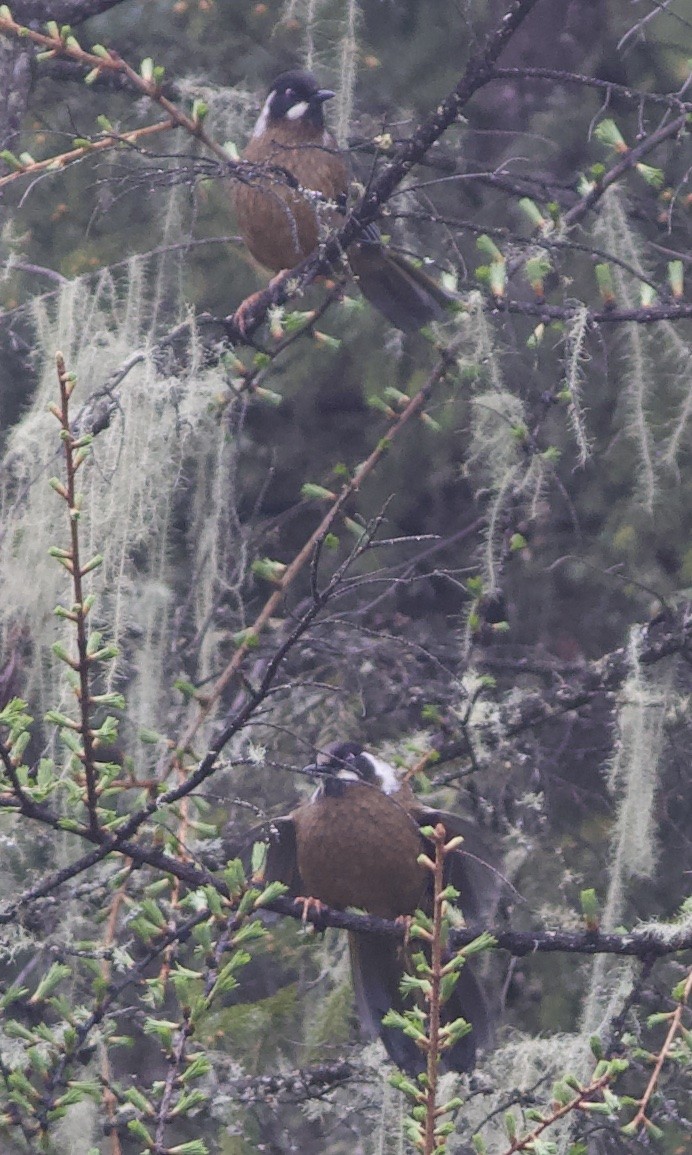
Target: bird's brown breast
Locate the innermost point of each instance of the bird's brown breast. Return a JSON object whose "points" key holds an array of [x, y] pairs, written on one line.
{"points": [[281, 225], [360, 849]]}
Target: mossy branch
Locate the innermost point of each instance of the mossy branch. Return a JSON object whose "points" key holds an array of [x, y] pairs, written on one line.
{"points": [[631, 158], [569, 1096], [414, 408], [102, 143], [668, 635], [61, 43], [75, 451], [428, 1127]]}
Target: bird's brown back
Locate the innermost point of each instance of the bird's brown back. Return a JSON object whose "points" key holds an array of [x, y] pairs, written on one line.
{"points": [[281, 226]]}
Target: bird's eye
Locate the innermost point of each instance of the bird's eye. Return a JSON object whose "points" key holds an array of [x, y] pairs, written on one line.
{"points": [[290, 92]]}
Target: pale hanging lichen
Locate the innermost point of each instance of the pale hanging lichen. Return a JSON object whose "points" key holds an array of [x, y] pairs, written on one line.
{"points": [[680, 359], [633, 778], [330, 46], [497, 428], [612, 229], [634, 775], [535, 483], [657, 385], [576, 355], [348, 66], [163, 442], [522, 1064], [480, 350]]}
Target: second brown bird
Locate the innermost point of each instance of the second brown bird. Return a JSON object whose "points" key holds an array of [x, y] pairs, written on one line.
{"points": [[295, 193], [356, 842]]}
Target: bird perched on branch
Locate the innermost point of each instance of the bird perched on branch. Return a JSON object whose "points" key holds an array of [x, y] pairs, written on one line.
{"points": [[356, 842], [295, 193]]}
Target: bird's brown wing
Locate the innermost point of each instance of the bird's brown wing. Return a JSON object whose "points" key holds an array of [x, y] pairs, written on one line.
{"points": [[282, 860], [281, 224]]}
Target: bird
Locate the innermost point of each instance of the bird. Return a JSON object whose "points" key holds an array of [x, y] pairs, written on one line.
{"points": [[292, 191], [356, 842]]}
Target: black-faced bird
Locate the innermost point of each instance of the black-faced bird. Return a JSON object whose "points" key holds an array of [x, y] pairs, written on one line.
{"points": [[295, 193], [356, 842]]}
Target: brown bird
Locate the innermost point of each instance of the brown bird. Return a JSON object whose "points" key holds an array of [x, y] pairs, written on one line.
{"points": [[356, 842], [295, 193]]}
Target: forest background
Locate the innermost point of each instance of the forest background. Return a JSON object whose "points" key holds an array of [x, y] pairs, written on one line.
{"points": [[467, 548]]}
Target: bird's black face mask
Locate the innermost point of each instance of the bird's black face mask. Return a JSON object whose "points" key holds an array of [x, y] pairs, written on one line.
{"points": [[296, 96]]}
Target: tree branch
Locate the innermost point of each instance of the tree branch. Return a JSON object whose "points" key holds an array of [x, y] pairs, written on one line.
{"points": [[665, 636], [479, 71]]}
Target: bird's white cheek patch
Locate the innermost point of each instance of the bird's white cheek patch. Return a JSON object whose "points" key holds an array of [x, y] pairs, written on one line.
{"points": [[389, 781], [348, 775], [297, 110], [263, 118]]}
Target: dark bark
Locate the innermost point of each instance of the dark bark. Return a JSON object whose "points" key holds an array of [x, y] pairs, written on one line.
{"points": [[15, 82], [64, 11]]}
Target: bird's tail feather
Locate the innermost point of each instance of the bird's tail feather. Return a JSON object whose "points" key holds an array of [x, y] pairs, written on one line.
{"points": [[377, 967], [378, 964], [398, 289]]}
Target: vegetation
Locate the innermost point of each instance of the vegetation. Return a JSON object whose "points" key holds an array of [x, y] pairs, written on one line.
{"points": [[224, 546]]}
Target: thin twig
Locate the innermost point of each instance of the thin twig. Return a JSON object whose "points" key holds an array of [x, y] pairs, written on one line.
{"points": [[640, 1119]]}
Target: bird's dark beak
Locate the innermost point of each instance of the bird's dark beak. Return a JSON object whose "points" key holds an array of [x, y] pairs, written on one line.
{"points": [[325, 771], [321, 95]]}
